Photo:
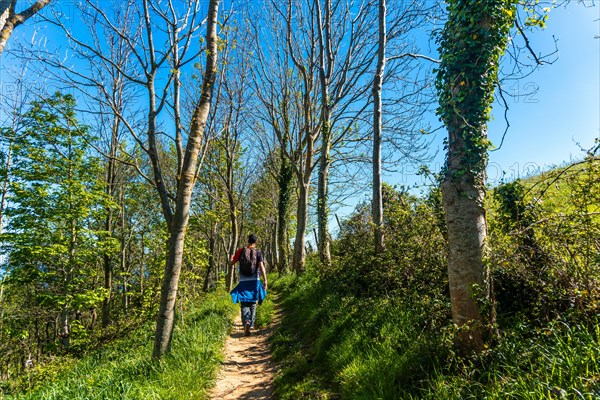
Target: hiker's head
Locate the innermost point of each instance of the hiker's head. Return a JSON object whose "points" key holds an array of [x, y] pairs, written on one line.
{"points": [[252, 239]]}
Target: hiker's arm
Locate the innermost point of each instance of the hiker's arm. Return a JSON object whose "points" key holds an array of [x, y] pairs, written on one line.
{"points": [[234, 258], [261, 265]]}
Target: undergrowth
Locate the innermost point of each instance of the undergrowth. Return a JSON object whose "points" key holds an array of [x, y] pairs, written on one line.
{"points": [[333, 346], [125, 370], [265, 312], [380, 327]]}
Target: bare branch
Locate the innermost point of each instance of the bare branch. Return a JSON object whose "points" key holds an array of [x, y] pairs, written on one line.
{"points": [[413, 55], [528, 46]]}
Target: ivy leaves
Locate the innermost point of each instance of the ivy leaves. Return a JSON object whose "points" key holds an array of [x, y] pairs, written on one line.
{"points": [[471, 45]]}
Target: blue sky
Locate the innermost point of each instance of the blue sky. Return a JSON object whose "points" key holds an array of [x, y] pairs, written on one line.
{"points": [[553, 113], [548, 126], [558, 110]]}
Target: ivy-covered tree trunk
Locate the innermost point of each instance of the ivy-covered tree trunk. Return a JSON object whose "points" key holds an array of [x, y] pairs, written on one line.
{"points": [[284, 181], [466, 221], [326, 66], [299, 260], [471, 44], [322, 188]]}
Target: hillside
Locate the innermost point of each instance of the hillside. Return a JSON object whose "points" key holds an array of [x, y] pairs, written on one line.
{"points": [[365, 331], [122, 369]]}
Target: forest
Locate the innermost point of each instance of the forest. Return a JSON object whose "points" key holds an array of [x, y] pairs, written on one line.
{"points": [[142, 141]]}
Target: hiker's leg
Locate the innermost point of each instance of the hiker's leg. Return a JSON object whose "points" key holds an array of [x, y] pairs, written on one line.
{"points": [[253, 312], [246, 313]]}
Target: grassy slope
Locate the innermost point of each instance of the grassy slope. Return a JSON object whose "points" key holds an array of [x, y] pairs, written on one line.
{"points": [[337, 346], [124, 370], [331, 347], [563, 190]]}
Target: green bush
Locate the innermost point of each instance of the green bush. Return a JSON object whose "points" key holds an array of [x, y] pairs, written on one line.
{"points": [[543, 244], [380, 328]]}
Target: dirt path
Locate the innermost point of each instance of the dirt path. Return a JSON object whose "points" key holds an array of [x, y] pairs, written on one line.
{"points": [[247, 371]]}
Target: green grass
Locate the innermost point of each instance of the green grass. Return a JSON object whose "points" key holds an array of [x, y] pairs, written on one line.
{"points": [[265, 312], [559, 361], [124, 369], [332, 346]]}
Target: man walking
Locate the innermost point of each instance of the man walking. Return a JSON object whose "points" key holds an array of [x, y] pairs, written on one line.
{"points": [[250, 289]]}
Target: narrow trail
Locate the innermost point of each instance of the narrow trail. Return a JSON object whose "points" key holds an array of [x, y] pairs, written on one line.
{"points": [[248, 370]]}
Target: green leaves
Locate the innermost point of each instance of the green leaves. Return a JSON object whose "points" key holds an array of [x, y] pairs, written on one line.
{"points": [[55, 192]]}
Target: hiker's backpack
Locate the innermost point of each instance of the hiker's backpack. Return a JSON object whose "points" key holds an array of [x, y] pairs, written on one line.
{"points": [[248, 262]]}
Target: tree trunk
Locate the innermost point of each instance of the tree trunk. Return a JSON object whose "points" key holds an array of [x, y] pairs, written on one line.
{"points": [[377, 206], [142, 267], [63, 328], [123, 253], [124, 268], [301, 218], [63, 321], [2, 308], [108, 284], [110, 191], [7, 10], [93, 319], [275, 245], [466, 224], [325, 70], [232, 217], [9, 20], [322, 192], [306, 149], [230, 276], [472, 42], [64, 331], [274, 252], [166, 314], [5, 183], [304, 175], [284, 182], [212, 265]]}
